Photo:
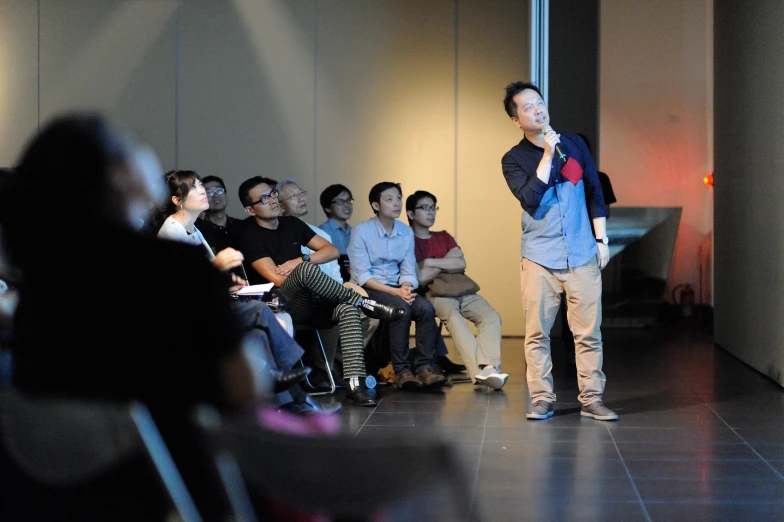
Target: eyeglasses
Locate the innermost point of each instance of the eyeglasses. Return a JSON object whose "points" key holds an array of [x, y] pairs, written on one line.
{"points": [[216, 192], [427, 208], [342, 202], [265, 198], [297, 195]]}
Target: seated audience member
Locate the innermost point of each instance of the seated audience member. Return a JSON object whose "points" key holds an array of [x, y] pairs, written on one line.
{"points": [[216, 226], [382, 261], [126, 339], [187, 200], [338, 204], [436, 253], [293, 201], [272, 249]]}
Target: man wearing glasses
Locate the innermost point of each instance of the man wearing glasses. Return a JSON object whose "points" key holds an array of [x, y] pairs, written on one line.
{"points": [[294, 202], [438, 252], [382, 262], [338, 204], [217, 227], [271, 244]]}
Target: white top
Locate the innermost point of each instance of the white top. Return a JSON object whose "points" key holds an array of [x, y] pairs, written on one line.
{"points": [[174, 231], [332, 269]]}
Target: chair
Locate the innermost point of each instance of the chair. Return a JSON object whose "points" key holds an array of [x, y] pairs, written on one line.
{"points": [[300, 328], [346, 478], [64, 459]]}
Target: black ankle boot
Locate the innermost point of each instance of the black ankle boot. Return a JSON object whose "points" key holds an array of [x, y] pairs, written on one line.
{"points": [[381, 311]]}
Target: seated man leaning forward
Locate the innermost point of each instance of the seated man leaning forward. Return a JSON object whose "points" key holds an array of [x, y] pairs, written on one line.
{"points": [[437, 252], [271, 245], [381, 252]]}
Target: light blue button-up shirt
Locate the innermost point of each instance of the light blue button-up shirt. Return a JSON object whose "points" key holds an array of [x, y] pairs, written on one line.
{"points": [[556, 215], [331, 268], [340, 237], [387, 258]]}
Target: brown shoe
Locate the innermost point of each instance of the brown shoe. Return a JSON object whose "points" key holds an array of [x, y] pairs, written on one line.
{"points": [[405, 380], [430, 378]]}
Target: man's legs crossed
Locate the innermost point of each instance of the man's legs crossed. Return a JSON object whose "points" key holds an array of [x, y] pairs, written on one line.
{"points": [[351, 344]]}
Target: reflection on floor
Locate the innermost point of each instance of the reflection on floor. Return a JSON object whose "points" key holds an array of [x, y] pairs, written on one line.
{"points": [[701, 436]]}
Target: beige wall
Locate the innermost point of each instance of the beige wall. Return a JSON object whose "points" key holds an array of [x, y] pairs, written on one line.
{"points": [[750, 184], [345, 91], [656, 117], [18, 76]]}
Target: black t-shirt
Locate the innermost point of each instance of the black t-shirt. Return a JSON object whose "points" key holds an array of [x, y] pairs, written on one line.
{"points": [[118, 318], [219, 237], [281, 244]]}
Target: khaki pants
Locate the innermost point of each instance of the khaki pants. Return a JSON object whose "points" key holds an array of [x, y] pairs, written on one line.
{"points": [[541, 288], [485, 348]]}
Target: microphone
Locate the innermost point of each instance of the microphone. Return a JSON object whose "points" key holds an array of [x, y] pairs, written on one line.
{"points": [[558, 150]]}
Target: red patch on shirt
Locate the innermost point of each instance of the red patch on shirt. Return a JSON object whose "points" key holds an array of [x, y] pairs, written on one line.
{"points": [[572, 171]]}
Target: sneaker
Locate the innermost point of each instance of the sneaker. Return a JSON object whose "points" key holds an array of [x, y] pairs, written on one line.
{"points": [[540, 410], [405, 380], [431, 378], [491, 377], [381, 311], [597, 410]]}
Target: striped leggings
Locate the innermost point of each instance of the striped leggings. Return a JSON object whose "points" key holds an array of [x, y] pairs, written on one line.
{"points": [[310, 294]]}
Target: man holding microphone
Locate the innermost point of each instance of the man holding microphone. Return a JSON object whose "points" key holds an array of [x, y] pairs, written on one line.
{"points": [[554, 178]]}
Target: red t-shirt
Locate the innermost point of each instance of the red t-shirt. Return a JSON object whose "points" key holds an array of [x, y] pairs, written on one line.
{"points": [[436, 246]]}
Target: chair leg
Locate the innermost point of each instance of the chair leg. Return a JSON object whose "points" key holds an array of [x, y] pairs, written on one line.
{"points": [[332, 385]]}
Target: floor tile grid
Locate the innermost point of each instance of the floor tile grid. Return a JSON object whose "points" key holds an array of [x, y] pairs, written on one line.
{"points": [[474, 508], [629, 475], [368, 418], [771, 466]]}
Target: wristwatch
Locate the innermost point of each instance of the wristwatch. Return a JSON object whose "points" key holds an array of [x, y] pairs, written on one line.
{"points": [[305, 257], [605, 240]]}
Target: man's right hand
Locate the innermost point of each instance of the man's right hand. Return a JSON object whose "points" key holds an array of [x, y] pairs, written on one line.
{"points": [[406, 293], [550, 139]]}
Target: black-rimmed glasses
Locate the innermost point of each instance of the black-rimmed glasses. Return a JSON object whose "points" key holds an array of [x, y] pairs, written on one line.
{"points": [[265, 198], [216, 192], [427, 208], [342, 202]]}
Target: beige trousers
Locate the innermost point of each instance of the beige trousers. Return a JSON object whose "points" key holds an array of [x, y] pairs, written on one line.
{"points": [[485, 347], [541, 289]]}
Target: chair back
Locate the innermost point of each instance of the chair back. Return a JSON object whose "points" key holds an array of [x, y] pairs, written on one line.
{"points": [[351, 478], [66, 459]]}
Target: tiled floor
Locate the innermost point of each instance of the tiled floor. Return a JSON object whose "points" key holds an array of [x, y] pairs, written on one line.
{"points": [[701, 436]]}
